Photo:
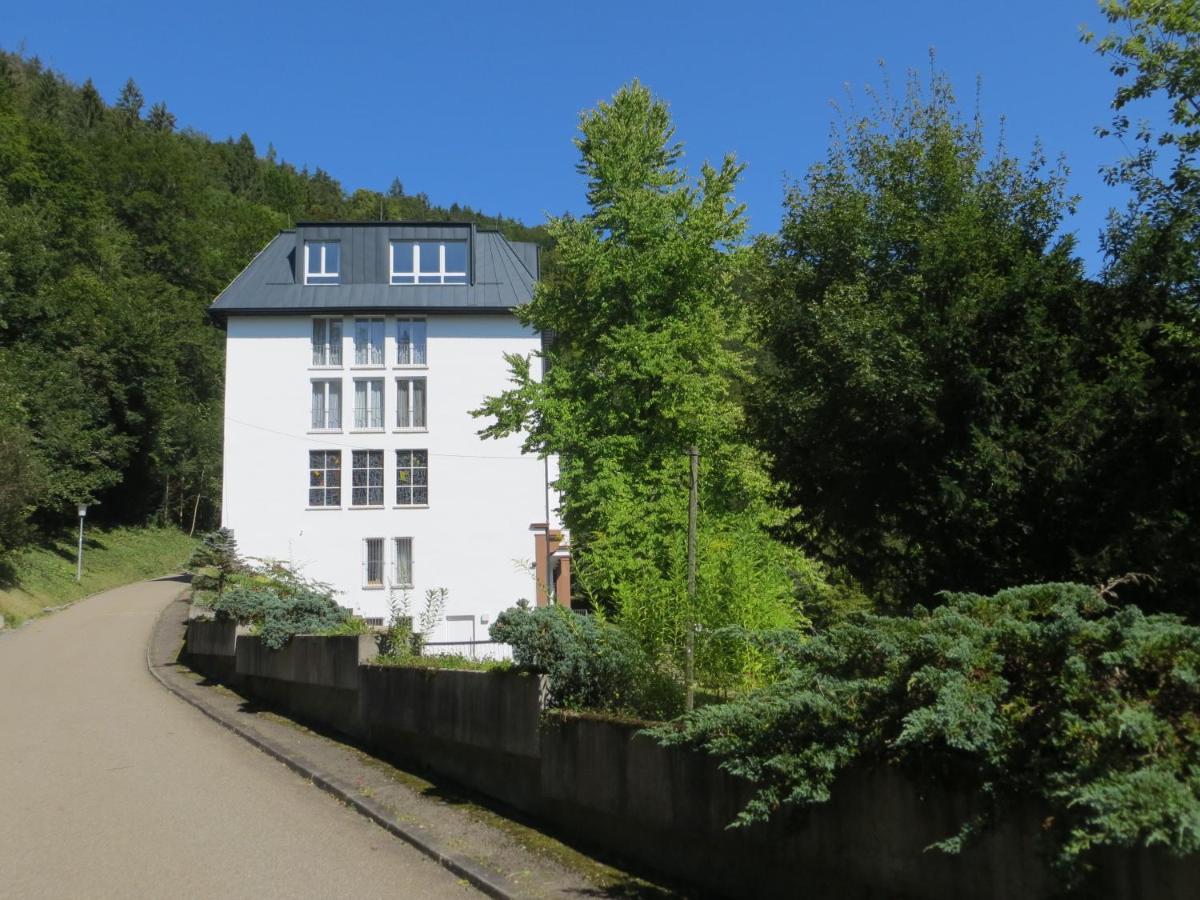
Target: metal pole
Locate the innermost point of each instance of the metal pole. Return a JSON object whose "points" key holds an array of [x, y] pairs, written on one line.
{"points": [[79, 557], [550, 596], [693, 509]]}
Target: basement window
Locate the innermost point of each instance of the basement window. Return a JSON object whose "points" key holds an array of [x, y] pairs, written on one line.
{"points": [[373, 562], [404, 562]]}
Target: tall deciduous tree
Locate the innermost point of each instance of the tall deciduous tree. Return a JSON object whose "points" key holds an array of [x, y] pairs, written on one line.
{"points": [[1151, 341], [643, 362], [920, 393]]}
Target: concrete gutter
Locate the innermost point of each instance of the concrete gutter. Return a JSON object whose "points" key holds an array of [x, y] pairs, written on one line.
{"points": [[162, 651]]}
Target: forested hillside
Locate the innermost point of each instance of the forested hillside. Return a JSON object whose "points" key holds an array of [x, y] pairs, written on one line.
{"points": [[116, 232]]}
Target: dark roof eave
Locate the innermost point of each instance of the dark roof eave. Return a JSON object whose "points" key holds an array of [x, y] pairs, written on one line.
{"points": [[219, 315]]}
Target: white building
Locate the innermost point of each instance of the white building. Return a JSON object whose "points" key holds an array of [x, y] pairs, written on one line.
{"points": [[354, 355]]}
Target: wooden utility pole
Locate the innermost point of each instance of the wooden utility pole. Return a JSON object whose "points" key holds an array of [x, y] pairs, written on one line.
{"points": [[693, 509]]}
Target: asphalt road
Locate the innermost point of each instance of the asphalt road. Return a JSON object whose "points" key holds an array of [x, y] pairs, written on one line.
{"points": [[112, 787]]}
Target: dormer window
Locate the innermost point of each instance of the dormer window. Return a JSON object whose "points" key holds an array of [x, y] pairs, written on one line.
{"points": [[429, 262], [321, 262]]}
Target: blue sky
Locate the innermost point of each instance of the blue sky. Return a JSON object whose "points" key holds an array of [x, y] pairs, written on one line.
{"points": [[478, 102]]}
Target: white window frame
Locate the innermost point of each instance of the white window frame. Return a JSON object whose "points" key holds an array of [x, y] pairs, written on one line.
{"points": [[326, 385], [412, 354], [367, 583], [363, 349], [409, 480], [406, 396], [324, 352], [367, 417], [354, 469], [398, 576], [322, 275], [324, 487], [414, 275]]}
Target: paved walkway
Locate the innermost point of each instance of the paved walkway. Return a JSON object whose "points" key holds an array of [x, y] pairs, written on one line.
{"points": [[112, 787]]}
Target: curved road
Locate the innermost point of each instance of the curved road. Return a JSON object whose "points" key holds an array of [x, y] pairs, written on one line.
{"points": [[112, 787]]}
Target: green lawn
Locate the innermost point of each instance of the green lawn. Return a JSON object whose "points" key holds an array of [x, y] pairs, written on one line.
{"points": [[37, 578]]}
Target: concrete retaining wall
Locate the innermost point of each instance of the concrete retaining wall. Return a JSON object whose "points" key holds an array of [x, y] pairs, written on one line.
{"points": [[665, 808], [481, 729], [211, 638], [323, 661], [211, 648]]}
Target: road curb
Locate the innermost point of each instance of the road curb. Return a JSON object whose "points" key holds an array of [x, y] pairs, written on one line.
{"points": [[491, 883]]}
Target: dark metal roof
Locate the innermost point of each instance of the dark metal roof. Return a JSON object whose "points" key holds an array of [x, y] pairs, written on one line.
{"points": [[501, 277]]}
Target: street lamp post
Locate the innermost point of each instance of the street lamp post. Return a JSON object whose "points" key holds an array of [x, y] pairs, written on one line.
{"points": [[79, 557]]}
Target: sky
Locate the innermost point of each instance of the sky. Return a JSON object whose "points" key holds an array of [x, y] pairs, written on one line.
{"points": [[477, 103]]}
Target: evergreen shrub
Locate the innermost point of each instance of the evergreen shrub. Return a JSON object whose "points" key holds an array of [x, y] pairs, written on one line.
{"points": [[1053, 692], [279, 603], [590, 663]]}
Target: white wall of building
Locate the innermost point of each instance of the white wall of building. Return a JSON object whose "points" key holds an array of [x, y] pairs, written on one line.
{"points": [[473, 538]]}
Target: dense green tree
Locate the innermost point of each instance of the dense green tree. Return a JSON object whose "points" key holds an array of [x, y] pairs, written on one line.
{"points": [[1151, 340], [644, 363], [921, 392], [24, 482]]}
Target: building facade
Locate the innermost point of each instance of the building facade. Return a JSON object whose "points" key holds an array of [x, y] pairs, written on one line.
{"points": [[354, 356]]}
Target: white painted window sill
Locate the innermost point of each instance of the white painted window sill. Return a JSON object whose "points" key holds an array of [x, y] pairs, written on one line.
{"points": [[411, 506], [411, 366], [368, 367], [372, 587], [329, 368], [367, 431], [410, 431], [365, 507], [324, 431], [323, 508]]}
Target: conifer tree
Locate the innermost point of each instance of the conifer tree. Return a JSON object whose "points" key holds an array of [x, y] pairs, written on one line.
{"points": [[131, 101], [91, 105], [160, 118]]}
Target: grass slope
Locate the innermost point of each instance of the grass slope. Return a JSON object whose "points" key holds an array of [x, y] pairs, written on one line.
{"points": [[39, 578]]}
